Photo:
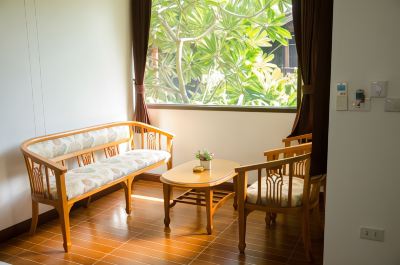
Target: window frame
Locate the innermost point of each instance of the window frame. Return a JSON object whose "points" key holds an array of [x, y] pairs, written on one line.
{"points": [[223, 108], [234, 108]]}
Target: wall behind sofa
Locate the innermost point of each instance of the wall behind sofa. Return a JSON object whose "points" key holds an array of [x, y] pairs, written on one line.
{"points": [[63, 65]]}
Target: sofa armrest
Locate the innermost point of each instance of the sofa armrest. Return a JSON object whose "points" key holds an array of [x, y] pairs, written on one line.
{"points": [[148, 135], [57, 168], [40, 170], [153, 129]]}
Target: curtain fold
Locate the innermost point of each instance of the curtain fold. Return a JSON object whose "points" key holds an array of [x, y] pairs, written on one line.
{"points": [[141, 16], [319, 155], [305, 14], [312, 21]]}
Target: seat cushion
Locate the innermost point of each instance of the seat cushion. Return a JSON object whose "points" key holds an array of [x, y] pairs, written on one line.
{"points": [[84, 179], [297, 192]]}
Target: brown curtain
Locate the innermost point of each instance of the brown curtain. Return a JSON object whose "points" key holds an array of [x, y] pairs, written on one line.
{"points": [[305, 13], [312, 21], [322, 89], [141, 15]]}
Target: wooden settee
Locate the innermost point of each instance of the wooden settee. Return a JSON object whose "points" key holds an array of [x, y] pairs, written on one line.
{"points": [[67, 167]]}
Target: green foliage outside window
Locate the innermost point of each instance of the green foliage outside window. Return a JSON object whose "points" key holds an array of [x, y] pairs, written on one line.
{"points": [[213, 52]]}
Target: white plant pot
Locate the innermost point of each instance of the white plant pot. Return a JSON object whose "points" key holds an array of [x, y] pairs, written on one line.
{"points": [[206, 164]]}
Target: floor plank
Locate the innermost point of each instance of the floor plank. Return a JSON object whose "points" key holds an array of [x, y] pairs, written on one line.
{"points": [[103, 234]]}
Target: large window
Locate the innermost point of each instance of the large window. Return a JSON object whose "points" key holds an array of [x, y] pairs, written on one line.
{"points": [[222, 52]]}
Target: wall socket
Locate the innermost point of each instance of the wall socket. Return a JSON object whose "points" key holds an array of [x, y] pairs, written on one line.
{"points": [[372, 234]]}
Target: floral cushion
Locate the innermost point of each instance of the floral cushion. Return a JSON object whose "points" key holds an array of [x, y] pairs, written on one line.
{"points": [[297, 192], [65, 145], [84, 179]]}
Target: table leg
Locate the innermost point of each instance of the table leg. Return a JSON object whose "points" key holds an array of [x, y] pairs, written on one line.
{"points": [[209, 209], [167, 190], [235, 183]]}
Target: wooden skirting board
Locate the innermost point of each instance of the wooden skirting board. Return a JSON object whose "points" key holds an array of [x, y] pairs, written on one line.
{"points": [[45, 217]]}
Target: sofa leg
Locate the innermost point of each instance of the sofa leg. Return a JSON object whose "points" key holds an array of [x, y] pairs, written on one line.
{"points": [[35, 216], [128, 192], [63, 212], [87, 202]]}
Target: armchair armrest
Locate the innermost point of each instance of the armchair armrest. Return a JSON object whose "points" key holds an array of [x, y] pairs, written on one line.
{"points": [[270, 165], [290, 151], [301, 138]]}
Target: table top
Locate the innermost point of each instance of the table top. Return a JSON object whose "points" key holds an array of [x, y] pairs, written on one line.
{"points": [[183, 175]]}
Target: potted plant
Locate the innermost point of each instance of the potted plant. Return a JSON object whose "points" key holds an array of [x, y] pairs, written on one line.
{"points": [[205, 158]]}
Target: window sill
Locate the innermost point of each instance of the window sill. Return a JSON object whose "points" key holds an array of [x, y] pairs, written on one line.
{"points": [[222, 108]]}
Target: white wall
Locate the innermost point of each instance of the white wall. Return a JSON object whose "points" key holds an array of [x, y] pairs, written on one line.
{"points": [[239, 136], [63, 65], [363, 157], [66, 65]]}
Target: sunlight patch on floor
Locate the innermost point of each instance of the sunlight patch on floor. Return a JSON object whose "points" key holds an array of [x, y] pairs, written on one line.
{"points": [[148, 198]]}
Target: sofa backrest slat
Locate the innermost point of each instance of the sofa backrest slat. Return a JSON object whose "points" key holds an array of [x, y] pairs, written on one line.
{"points": [[89, 150]]}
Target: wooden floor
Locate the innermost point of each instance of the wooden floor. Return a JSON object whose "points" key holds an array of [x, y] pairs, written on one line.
{"points": [[104, 234]]}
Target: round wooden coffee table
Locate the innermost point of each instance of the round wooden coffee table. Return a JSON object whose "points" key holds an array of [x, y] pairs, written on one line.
{"points": [[202, 187]]}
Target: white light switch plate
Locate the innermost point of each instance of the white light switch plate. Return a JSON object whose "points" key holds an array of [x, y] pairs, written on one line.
{"points": [[392, 105], [378, 89]]}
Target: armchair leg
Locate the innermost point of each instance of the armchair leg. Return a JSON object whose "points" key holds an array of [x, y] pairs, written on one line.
{"points": [[242, 211], [242, 229], [63, 212], [317, 214], [35, 216], [270, 218], [306, 235], [273, 218]]}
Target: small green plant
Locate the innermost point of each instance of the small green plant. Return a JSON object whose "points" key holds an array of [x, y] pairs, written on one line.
{"points": [[204, 155]]}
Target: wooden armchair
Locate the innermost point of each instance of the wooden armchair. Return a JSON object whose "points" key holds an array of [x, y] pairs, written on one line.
{"points": [[301, 139], [286, 187]]}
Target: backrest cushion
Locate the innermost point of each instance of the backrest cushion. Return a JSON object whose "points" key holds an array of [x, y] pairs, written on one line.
{"points": [[80, 141]]}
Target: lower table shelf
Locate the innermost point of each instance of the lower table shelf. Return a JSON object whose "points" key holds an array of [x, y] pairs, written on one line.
{"points": [[197, 197]]}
